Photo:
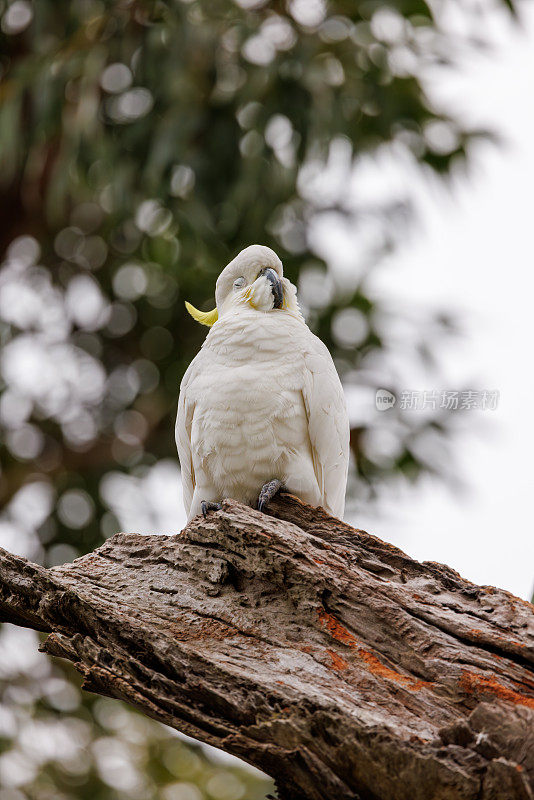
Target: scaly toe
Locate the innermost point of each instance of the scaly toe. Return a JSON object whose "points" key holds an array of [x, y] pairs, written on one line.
{"points": [[268, 491]]}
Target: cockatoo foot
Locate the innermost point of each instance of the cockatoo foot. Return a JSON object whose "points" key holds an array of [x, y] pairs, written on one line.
{"points": [[268, 491], [209, 506]]}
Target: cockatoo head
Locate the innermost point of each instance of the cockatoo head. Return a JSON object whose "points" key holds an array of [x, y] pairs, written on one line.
{"points": [[253, 279]]}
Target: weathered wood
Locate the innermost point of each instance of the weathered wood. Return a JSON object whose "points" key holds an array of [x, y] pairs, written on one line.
{"points": [[317, 652]]}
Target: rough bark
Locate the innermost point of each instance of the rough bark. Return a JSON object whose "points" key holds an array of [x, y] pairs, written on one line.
{"points": [[329, 659]]}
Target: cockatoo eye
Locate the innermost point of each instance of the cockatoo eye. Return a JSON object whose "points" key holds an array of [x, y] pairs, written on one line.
{"points": [[239, 283]]}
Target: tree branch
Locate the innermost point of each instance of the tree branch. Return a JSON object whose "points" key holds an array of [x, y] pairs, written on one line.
{"points": [[316, 652]]}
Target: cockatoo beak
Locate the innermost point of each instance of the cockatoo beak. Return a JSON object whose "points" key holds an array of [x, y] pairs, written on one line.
{"points": [[276, 286], [208, 318]]}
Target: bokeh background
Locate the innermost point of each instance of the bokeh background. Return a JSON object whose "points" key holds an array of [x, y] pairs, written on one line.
{"points": [[384, 150]]}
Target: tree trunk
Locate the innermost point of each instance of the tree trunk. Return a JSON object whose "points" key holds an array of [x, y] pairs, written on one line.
{"points": [[318, 653]]}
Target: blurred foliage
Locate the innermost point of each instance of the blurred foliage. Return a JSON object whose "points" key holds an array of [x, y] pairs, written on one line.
{"points": [[142, 144]]}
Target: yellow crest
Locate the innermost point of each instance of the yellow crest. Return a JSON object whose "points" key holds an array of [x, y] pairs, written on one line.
{"points": [[208, 318]]}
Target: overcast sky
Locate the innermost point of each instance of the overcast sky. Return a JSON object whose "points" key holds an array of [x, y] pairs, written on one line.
{"points": [[474, 253]]}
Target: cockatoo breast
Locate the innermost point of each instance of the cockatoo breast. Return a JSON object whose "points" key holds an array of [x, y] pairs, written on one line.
{"points": [[249, 423]]}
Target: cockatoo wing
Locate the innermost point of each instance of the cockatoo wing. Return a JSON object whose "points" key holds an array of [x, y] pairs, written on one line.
{"points": [[328, 425], [184, 420]]}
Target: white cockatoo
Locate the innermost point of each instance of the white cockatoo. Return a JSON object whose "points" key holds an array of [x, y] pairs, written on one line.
{"points": [[261, 406]]}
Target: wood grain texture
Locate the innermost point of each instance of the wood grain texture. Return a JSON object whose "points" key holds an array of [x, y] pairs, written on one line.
{"points": [[320, 654]]}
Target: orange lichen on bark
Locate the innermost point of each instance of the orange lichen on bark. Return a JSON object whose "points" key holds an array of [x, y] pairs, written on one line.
{"points": [[379, 669], [336, 629], [338, 662], [374, 665], [471, 683]]}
